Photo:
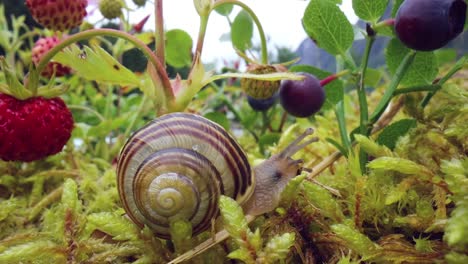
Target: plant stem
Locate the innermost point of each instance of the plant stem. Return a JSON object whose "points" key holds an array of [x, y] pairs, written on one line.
{"points": [[340, 116], [113, 33], [256, 21], [400, 72], [159, 33], [424, 88], [201, 35], [458, 66], [363, 107], [333, 77]]}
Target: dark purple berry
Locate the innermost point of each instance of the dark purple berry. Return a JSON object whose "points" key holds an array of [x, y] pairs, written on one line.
{"points": [[262, 104], [428, 25], [302, 98]]}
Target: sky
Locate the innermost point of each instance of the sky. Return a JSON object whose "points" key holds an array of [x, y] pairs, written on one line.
{"points": [[281, 20]]}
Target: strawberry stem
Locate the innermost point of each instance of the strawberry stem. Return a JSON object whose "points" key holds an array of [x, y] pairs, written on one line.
{"points": [[159, 34], [256, 21], [158, 66]]}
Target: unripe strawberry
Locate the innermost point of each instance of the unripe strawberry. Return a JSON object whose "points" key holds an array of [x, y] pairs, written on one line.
{"points": [[58, 15], [139, 2], [41, 47], [34, 128], [260, 89], [111, 8]]}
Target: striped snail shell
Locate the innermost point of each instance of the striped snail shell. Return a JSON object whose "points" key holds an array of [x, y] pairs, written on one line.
{"points": [[177, 166]]}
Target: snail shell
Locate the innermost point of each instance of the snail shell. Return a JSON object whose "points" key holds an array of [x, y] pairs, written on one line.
{"points": [[176, 167]]}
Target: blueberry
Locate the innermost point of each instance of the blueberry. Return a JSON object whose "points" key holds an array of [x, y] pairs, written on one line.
{"points": [[302, 98], [428, 25], [262, 104]]}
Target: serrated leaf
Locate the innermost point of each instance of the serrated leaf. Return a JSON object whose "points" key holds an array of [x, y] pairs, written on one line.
{"points": [[390, 134], [422, 70], [328, 26], [334, 91], [178, 48], [242, 31], [356, 241], [97, 65], [369, 10]]}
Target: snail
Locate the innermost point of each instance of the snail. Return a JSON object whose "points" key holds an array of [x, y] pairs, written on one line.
{"points": [[177, 166]]}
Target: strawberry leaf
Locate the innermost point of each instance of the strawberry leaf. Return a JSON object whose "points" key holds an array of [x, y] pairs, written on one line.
{"points": [[178, 48], [242, 31], [94, 63]]}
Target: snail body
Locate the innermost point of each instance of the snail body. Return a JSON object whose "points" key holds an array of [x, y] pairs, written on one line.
{"points": [[177, 166]]}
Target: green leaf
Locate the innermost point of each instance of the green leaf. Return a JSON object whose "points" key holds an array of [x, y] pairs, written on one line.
{"points": [[224, 10], [372, 77], [112, 223], [218, 118], [334, 91], [369, 10], [389, 136], [371, 147], [277, 247], [233, 217], [178, 48], [97, 65], [328, 26], [268, 139], [70, 195], [423, 69], [445, 56], [242, 31], [401, 165], [323, 200], [356, 241]]}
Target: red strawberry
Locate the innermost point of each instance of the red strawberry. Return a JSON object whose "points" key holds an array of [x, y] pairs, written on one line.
{"points": [[34, 128], [40, 48], [58, 14]]}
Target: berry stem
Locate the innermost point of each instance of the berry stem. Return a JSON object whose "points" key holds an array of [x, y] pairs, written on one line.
{"points": [[158, 66], [201, 35], [400, 72], [384, 23], [159, 34], [333, 77], [340, 116], [458, 66], [363, 107], [256, 21]]}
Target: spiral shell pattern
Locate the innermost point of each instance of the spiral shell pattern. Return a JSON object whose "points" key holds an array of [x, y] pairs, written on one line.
{"points": [[176, 167]]}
